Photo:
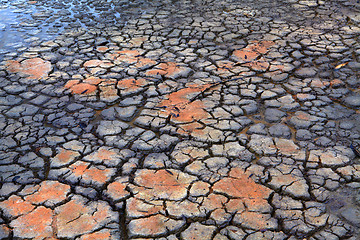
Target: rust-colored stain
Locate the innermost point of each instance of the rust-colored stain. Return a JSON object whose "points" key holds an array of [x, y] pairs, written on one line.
{"points": [[35, 68], [35, 225], [178, 104], [255, 220], [168, 69], [259, 65], [150, 225], [97, 235], [102, 49], [224, 66], [129, 57], [83, 88], [97, 63], [66, 156], [81, 169], [117, 190], [319, 83], [49, 190], [161, 184], [73, 215], [103, 154], [131, 84], [179, 107], [137, 208], [125, 56], [15, 206], [31, 221], [88, 85], [260, 46], [93, 63], [239, 185], [303, 116], [251, 55], [144, 62]]}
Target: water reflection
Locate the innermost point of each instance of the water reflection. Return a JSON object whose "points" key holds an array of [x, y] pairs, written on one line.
{"points": [[27, 23]]}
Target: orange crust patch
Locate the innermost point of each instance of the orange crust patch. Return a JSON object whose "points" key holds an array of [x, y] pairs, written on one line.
{"points": [[35, 68]]}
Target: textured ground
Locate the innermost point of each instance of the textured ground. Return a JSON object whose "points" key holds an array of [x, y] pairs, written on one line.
{"points": [[180, 119]]}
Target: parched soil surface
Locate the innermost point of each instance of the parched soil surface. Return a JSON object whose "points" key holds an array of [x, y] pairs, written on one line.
{"points": [[201, 119]]}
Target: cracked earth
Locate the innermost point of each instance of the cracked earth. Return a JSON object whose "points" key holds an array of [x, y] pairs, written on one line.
{"points": [[180, 119]]}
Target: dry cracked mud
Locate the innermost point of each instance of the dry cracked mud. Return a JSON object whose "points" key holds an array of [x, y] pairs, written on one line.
{"points": [[180, 119]]}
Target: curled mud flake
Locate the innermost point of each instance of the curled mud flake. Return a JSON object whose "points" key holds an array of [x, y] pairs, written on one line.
{"points": [[341, 65], [35, 68]]}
